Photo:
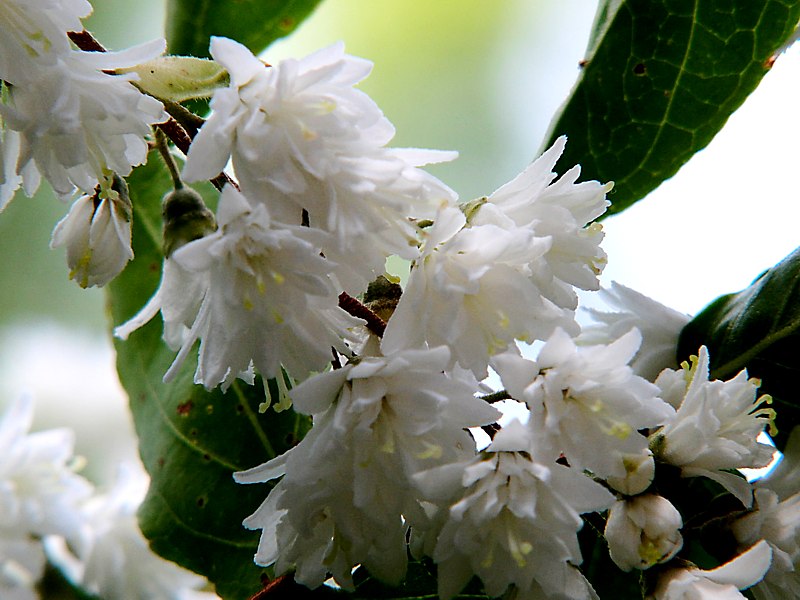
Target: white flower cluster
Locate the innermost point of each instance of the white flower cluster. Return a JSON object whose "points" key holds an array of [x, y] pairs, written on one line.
{"points": [[322, 203], [319, 205], [65, 116], [48, 512]]}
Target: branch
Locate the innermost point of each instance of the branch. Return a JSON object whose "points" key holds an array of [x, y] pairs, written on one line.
{"points": [[353, 307]]}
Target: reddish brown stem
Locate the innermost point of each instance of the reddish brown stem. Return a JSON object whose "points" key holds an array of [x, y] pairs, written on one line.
{"points": [[352, 306]]}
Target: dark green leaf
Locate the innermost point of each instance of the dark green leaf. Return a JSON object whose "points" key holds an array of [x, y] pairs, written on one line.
{"points": [[757, 329], [191, 441], [660, 80], [254, 23]]}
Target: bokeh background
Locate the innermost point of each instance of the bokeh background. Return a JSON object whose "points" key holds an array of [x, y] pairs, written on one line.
{"points": [[483, 78]]}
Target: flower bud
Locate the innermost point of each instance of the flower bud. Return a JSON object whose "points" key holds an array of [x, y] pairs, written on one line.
{"points": [[186, 218], [639, 472], [643, 531], [97, 234]]}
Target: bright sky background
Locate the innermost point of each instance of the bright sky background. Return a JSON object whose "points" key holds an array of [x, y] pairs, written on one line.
{"points": [[729, 214]]}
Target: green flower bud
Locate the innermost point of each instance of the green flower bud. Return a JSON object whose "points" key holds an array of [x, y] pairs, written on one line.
{"points": [[186, 218]]}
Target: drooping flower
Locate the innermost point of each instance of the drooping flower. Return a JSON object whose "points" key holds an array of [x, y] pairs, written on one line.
{"points": [[512, 520], [658, 324], [716, 426], [721, 583], [112, 559], [77, 122], [34, 32], [643, 531], [777, 522], [586, 403], [301, 137], [97, 234], [470, 288], [345, 496]]}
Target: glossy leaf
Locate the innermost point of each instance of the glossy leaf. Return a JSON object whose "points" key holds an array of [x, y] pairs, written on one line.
{"points": [[191, 441], [758, 329], [660, 79], [254, 23]]}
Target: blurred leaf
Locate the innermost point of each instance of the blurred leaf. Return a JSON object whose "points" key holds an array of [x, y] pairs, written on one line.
{"points": [[660, 80], [191, 441], [254, 23], [758, 329]]}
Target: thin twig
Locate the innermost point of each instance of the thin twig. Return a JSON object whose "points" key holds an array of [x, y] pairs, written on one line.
{"points": [[353, 307]]}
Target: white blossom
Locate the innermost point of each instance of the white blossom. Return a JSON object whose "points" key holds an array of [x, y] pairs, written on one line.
{"points": [[97, 234], [39, 491], [512, 520], [345, 493], [784, 479], [643, 531], [10, 180], [301, 137], [659, 325], [721, 583], [586, 402], [716, 426], [270, 300], [34, 32], [77, 122], [777, 522], [22, 564], [470, 288], [562, 213], [112, 558]]}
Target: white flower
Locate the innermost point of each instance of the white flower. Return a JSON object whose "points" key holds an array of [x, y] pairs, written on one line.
{"points": [[512, 520], [779, 524], [39, 492], [77, 122], [178, 298], [586, 402], [643, 531], [345, 493], [721, 583], [716, 426], [28, 177], [470, 289], [97, 234], [660, 327], [301, 137], [33, 32], [269, 301], [22, 563], [560, 212], [113, 559]]}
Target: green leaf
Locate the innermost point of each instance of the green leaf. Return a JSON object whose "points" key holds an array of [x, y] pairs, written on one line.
{"points": [[179, 78], [758, 329], [254, 23], [191, 441], [660, 79]]}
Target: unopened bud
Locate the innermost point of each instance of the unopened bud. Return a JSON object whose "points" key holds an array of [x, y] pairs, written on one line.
{"points": [[639, 472], [643, 531], [186, 218]]}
